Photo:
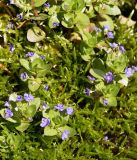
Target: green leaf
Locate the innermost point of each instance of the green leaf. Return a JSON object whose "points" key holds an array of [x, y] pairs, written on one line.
{"points": [[36, 102], [38, 63], [38, 3], [106, 20], [110, 10], [112, 90], [68, 20], [25, 64], [52, 114], [40, 68], [98, 70], [117, 63], [112, 101], [34, 84], [35, 34], [81, 20], [31, 110], [86, 57], [53, 19], [40, 17], [67, 5], [48, 131], [23, 126]]}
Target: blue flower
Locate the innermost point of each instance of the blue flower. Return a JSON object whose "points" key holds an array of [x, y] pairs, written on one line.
{"points": [[45, 122], [65, 134], [8, 113], [12, 48], [105, 102], [97, 29], [109, 77], [42, 57], [19, 98], [106, 27], [59, 107], [7, 104], [19, 16], [121, 49], [30, 54], [87, 91], [110, 35], [69, 110], [45, 106], [24, 76], [129, 72], [47, 5], [113, 45], [106, 138], [46, 87], [91, 78], [55, 24], [134, 68], [28, 97]]}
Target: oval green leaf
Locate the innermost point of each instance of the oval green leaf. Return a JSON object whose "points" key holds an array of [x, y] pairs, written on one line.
{"points": [[35, 34]]}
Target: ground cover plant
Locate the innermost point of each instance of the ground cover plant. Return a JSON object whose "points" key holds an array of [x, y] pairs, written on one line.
{"points": [[68, 81]]}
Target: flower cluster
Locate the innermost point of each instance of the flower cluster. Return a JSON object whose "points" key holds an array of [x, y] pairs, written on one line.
{"points": [[109, 77], [8, 113], [45, 122], [130, 71], [60, 107], [30, 54]]}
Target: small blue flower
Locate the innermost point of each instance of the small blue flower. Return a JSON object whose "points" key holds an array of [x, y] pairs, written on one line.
{"points": [[42, 57], [97, 29], [134, 68], [87, 91], [65, 134], [7, 104], [47, 5], [8, 113], [30, 54], [105, 102], [12, 48], [55, 24], [106, 138], [24, 76], [19, 98], [121, 49], [91, 78], [110, 35], [19, 16], [45, 122], [106, 27], [45, 106], [129, 72], [59, 107], [109, 77], [46, 87], [28, 97], [69, 110], [113, 45]]}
